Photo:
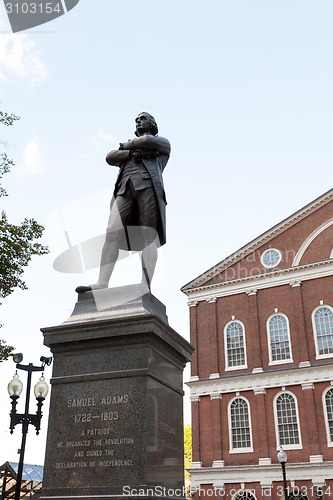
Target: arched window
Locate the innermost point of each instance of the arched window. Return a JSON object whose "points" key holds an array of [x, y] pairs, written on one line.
{"points": [[235, 346], [240, 426], [328, 413], [279, 339], [244, 495], [323, 329], [287, 421], [296, 494]]}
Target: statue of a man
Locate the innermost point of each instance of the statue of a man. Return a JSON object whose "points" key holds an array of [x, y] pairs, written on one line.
{"points": [[137, 214]]}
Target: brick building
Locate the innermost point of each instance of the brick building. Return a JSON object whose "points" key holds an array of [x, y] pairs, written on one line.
{"points": [[262, 372]]}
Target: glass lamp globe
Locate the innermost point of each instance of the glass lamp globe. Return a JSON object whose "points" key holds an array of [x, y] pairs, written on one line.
{"points": [[282, 456], [15, 386], [41, 389]]}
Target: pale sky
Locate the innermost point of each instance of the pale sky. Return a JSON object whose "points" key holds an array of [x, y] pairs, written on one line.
{"points": [[243, 91]]}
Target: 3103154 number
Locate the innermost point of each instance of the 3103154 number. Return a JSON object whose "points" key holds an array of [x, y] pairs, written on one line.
{"points": [[33, 8]]}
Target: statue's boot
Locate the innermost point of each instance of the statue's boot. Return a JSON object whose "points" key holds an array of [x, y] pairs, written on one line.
{"points": [[89, 288]]}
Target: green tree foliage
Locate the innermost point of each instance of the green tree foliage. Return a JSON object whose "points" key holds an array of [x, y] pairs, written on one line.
{"points": [[187, 448], [17, 242]]}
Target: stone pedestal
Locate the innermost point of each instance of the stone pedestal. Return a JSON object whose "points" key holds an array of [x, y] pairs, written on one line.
{"points": [[116, 411]]}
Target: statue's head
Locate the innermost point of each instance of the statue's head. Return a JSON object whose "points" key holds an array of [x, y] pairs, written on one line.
{"points": [[151, 122]]}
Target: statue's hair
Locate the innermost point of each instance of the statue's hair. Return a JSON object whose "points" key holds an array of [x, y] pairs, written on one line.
{"points": [[152, 123]]}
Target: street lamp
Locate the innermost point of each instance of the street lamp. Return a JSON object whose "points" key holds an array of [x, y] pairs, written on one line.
{"points": [[15, 388], [282, 457]]}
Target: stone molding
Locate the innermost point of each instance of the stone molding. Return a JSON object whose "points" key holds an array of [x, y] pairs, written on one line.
{"points": [[194, 398], [307, 385], [218, 463], [262, 281], [215, 396], [264, 474], [196, 465], [260, 381], [315, 459], [212, 299], [265, 461], [295, 284], [259, 391]]}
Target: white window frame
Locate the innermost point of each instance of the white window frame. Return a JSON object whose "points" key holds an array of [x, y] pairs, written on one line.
{"points": [[248, 449], [328, 434], [262, 258], [298, 446], [279, 361], [319, 356], [237, 367], [245, 490]]}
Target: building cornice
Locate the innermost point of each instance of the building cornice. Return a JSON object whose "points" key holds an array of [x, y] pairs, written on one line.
{"points": [[258, 242], [264, 474], [259, 382], [251, 284]]}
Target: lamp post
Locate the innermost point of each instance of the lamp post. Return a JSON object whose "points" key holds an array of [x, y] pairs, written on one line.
{"points": [[15, 388], [282, 457]]}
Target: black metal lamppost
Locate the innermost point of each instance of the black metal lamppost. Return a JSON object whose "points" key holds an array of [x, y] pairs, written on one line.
{"points": [[15, 388], [282, 457]]}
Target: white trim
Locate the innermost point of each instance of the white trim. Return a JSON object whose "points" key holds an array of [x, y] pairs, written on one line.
{"points": [[307, 386], [194, 398], [259, 391], [316, 459], [314, 329], [257, 381], [195, 465], [307, 242], [218, 463], [238, 367], [240, 450], [248, 449], [304, 364], [328, 434], [279, 361], [265, 461], [262, 281], [324, 356], [264, 474], [215, 396], [296, 446]]}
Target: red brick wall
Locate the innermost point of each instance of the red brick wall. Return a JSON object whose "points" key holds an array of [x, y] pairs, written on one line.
{"points": [[208, 321]]}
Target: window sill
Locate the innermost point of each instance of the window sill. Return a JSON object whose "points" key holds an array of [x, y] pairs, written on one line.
{"points": [[240, 450]]}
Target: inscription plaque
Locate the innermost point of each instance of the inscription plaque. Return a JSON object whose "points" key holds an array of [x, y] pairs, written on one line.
{"points": [[94, 431]]}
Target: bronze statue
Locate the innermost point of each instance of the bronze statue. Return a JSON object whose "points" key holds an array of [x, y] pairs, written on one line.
{"points": [[137, 212]]}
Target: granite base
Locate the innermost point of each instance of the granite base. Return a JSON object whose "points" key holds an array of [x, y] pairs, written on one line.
{"points": [[116, 409]]}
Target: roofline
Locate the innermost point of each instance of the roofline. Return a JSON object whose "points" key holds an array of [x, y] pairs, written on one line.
{"points": [[249, 247]]}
